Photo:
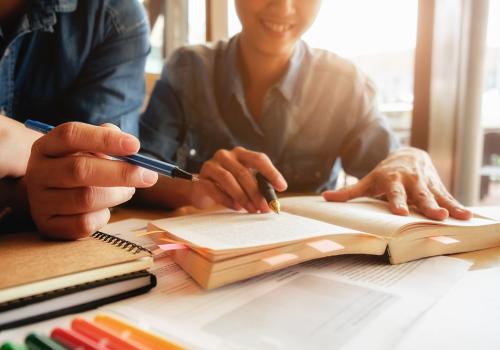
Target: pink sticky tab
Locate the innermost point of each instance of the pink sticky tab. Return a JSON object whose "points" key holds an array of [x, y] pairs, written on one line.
{"points": [[325, 246], [444, 239], [279, 259], [172, 246]]}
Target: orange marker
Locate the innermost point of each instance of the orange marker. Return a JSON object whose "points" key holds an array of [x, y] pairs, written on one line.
{"points": [[130, 332], [102, 335]]}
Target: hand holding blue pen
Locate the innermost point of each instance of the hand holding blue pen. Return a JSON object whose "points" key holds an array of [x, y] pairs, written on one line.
{"points": [[71, 188], [160, 167]]}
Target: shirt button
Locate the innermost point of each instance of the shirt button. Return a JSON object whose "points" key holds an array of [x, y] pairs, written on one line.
{"points": [[7, 52], [192, 152]]}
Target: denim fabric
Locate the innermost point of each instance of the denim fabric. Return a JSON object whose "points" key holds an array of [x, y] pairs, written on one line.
{"points": [[76, 60], [319, 117]]}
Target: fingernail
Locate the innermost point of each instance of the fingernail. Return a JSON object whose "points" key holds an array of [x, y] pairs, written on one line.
{"points": [[149, 177], [129, 144]]}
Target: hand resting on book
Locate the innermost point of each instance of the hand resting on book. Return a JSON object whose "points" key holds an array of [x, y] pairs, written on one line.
{"points": [[406, 176]]}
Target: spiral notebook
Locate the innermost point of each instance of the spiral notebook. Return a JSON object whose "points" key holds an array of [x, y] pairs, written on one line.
{"points": [[40, 278]]}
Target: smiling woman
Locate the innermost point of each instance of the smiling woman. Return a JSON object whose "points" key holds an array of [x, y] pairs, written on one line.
{"points": [[369, 39]]}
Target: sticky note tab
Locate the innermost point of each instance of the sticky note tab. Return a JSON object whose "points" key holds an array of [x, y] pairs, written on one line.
{"points": [[279, 259], [444, 239], [325, 246], [172, 246]]}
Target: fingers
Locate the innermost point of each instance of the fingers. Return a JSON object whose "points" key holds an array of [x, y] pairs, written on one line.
{"points": [[425, 202], [83, 170], [82, 200], [397, 198], [227, 182], [233, 174], [346, 193], [261, 163], [445, 200], [247, 182], [74, 226], [75, 137]]}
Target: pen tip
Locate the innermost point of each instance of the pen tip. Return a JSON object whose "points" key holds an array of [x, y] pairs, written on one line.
{"points": [[275, 206], [182, 174]]}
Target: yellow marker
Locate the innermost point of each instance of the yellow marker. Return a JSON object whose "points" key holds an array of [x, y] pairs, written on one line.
{"points": [[131, 332]]}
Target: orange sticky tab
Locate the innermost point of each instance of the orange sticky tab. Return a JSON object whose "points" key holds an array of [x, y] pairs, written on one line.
{"points": [[325, 246], [172, 246], [279, 259], [444, 239]]}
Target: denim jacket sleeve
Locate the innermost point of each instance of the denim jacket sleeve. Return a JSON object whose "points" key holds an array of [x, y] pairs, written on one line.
{"points": [[110, 87]]}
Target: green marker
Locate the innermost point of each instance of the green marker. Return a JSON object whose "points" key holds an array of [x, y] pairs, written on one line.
{"points": [[42, 342], [11, 346]]}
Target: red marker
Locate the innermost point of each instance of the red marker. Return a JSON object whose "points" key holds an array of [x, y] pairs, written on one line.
{"points": [[74, 340], [102, 335]]}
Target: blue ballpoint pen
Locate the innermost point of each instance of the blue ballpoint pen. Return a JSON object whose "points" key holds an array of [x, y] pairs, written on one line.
{"points": [[160, 167]]}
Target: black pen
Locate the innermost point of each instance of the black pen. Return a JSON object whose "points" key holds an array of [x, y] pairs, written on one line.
{"points": [[268, 192]]}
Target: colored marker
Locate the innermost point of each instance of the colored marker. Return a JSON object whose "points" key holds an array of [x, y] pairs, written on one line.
{"points": [[102, 335], [11, 346], [128, 331], [74, 340], [36, 341]]}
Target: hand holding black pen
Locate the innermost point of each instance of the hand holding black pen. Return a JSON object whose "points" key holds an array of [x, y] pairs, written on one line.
{"points": [[228, 178]]}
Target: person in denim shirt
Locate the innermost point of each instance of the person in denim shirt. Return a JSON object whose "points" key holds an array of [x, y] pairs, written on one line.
{"points": [[265, 101], [61, 61]]}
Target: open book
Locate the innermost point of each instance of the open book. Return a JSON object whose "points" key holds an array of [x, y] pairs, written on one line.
{"points": [[227, 246]]}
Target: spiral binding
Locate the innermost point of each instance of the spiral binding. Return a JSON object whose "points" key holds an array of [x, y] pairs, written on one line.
{"points": [[120, 242]]}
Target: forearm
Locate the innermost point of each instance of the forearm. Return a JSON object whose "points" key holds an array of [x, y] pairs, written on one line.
{"points": [[167, 193]]}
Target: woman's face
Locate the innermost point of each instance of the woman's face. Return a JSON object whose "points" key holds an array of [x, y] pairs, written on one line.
{"points": [[274, 26]]}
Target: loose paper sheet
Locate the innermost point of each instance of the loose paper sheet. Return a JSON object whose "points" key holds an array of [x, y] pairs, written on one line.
{"points": [[346, 301]]}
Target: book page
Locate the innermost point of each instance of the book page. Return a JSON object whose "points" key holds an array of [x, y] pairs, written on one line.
{"points": [[226, 230], [366, 215], [486, 212]]}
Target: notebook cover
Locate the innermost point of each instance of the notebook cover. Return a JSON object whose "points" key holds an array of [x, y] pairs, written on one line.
{"points": [[76, 308], [30, 258]]}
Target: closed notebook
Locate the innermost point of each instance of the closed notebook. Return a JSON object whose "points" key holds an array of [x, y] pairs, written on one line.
{"points": [[227, 246], [42, 278]]}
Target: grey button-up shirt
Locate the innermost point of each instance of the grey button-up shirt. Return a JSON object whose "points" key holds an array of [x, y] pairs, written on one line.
{"points": [[319, 117]]}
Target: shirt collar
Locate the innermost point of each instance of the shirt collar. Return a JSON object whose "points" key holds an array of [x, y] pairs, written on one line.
{"points": [[291, 79], [42, 15]]}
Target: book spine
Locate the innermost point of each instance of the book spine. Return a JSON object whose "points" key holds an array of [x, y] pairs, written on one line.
{"points": [[120, 242]]}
